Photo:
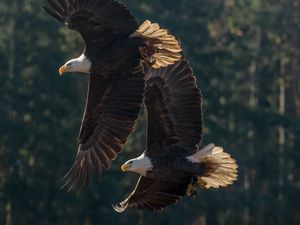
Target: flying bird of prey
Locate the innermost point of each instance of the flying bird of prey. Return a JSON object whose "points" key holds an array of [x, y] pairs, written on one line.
{"points": [[174, 160], [117, 50]]}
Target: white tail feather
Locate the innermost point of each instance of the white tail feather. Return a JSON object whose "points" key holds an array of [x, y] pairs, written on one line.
{"points": [[220, 167]]}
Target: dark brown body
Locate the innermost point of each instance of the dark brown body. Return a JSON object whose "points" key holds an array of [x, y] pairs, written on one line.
{"points": [[115, 55], [172, 166]]}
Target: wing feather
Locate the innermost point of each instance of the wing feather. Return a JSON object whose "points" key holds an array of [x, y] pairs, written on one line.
{"points": [[107, 123], [174, 106], [91, 18], [153, 195]]}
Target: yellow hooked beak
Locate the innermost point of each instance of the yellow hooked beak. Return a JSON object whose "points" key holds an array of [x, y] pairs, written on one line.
{"points": [[124, 167], [62, 70]]}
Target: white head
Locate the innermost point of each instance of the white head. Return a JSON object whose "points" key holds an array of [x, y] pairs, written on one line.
{"points": [[138, 165], [81, 64]]}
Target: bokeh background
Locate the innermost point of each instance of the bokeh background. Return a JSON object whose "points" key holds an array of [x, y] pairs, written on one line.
{"points": [[246, 55]]}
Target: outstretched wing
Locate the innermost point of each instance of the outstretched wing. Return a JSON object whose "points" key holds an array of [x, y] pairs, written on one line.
{"points": [[174, 107], [93, 18], [113, 105], [153, 195]]}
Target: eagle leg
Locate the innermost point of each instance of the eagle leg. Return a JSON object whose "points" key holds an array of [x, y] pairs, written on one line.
{"points": [[191, 191], [147, 52]]}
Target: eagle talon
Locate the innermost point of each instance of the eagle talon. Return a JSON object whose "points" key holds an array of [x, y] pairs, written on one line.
{"points": [[147, 55], [191, 191]]}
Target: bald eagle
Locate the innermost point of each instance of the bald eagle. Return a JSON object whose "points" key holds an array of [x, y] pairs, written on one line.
{"points": [[117, 50], [175, 159]]}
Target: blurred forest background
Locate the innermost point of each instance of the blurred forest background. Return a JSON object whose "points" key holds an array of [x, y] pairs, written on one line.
{"points": [[246, 55]]}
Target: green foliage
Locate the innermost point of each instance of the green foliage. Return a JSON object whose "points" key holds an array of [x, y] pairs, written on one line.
{"points": [[247, 59]]}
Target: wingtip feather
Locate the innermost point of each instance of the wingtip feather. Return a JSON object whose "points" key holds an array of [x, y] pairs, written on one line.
{"points": [[53, 13], [118, 208]]}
